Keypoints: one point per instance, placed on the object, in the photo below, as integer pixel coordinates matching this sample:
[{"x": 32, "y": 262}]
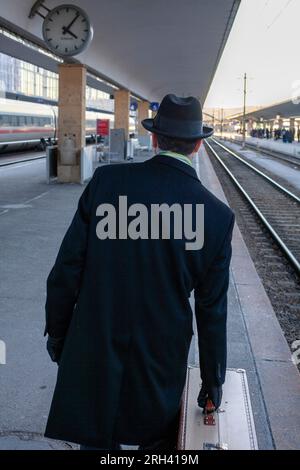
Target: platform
[
  {"x": 279, "y": 168},
  {"x": 257, "y": 344},
  {"x": 34, "y": 217},
  {"x": 292, "y": 149}
]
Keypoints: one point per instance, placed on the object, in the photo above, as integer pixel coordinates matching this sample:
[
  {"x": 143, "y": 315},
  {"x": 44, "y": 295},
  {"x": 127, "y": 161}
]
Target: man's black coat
[{"x": 123, "y": 308}]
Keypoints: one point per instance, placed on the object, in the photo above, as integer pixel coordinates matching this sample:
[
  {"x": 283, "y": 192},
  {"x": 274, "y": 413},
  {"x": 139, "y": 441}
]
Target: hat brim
[{"x": 148, "y": 124}]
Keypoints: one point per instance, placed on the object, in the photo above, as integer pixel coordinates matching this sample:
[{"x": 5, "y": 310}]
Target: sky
[{"x": 265, "y": 44}]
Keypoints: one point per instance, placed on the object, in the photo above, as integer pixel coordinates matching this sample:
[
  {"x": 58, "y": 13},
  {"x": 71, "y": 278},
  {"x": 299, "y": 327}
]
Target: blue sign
[
  {"x": 133, "y": 106},
  {"x": 154, "y": 106}
]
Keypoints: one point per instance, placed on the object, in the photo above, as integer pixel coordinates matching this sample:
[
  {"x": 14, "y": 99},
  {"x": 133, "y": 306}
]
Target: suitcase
[{"x": 230, "y": 428}]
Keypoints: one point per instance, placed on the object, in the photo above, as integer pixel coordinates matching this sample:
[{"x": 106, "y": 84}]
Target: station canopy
[
  {"x": 148, "y": 47},
  {"x": 286, "y": 109}
]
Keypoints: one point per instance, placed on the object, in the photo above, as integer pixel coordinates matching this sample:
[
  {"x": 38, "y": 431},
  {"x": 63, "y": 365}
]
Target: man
[{"x": 118, "y": 314}]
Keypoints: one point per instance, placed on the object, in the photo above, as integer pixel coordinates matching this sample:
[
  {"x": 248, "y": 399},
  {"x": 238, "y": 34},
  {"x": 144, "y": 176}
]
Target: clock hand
[
  {"x": 70, "y": 32},
  {"x": 67, "y": 28}
]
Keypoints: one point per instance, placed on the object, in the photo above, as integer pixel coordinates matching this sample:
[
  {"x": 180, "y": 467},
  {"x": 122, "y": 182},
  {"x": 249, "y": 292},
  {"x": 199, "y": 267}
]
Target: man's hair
[{"x": 185, "y": 147}]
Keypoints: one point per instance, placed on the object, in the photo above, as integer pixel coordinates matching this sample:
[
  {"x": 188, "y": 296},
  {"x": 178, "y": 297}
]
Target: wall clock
[{"x": 67, "y": 30}]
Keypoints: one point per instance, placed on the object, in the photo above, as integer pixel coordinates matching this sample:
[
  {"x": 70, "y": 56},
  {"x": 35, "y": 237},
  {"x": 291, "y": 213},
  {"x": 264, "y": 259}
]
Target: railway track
[
  {"x": 268, "y": 216},
  {"x": 277, "y": 207}
]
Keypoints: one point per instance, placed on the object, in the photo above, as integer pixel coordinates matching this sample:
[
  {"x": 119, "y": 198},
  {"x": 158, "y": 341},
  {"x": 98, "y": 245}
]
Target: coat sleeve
[
  {"x": 64, "y": 280},
  {"x": 211, "y": 315}
]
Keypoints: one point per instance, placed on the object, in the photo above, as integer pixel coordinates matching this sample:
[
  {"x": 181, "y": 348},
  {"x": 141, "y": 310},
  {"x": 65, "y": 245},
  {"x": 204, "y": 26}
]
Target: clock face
[{"x": 67, "y": 30}]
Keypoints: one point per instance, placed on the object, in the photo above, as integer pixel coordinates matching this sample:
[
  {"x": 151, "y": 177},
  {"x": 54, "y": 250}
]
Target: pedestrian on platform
[
  {"x": 285, "y": 137},
  {"x": 118, "y": 313}
]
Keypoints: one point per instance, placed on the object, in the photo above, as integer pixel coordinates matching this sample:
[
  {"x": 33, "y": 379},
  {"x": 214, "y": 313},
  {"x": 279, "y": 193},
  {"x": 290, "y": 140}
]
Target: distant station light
[
  {"x": 154, "y": 106},
  {"x": 133, "y": 106}
]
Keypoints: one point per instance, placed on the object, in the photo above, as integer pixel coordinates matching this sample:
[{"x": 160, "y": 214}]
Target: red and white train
[{"x": 25, "y": 125}]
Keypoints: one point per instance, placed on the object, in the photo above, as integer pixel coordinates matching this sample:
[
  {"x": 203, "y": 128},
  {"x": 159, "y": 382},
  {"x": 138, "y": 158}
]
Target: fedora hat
[{"x": 180, "y": 118}]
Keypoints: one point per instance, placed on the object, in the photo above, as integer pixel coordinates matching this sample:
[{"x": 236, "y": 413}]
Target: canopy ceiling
[{"x": 149, "y": 47}]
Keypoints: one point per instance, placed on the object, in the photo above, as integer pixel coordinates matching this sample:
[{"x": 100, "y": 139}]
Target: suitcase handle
[{"x": 209, "y": 418}]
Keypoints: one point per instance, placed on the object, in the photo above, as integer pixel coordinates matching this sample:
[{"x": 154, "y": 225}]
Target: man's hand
[
  {"x": 55, "y": 347},
  {"x": 210, "y": 393}
]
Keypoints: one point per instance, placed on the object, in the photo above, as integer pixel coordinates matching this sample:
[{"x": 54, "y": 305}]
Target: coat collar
[{"x": 174, "y": 163}]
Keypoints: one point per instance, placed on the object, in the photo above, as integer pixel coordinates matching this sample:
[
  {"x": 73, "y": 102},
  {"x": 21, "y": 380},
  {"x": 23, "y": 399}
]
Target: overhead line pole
[
  {"x": 222, "y": 121},
  {"x": 244, "y": 111}
]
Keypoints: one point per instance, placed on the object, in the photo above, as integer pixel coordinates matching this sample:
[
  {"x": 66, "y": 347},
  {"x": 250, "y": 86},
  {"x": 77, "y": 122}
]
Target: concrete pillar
[
  {"x": 292, "y": 127},
  {"x": 122, "y": 105},
  {"x": 143, "y": 113},
  {"x": 292, "y": 124},
  {"x": 249, "y": 126},
  {"x": 71, "y": 121}
]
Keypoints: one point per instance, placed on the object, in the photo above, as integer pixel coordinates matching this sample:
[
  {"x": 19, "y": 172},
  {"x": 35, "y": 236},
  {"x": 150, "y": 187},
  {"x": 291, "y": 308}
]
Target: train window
[
  {"x": 14, "y": 121},
  {"x": 36, "y": 121},
  {"x": 21, "y": 120},
  {"x": 4, "y": 120},
  {"x": 28, "y": 120}
]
